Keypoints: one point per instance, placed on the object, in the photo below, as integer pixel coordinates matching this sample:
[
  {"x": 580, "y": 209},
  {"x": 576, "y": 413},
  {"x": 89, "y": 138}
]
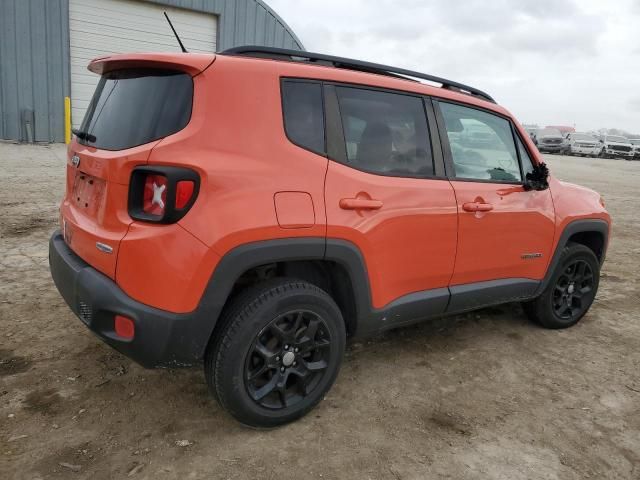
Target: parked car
[
  {"x": 253, "y": 209},
  {"x": 636, "y": 147},
  {"x": 550, "y": 140},
  {"x": 616, "y": 146},
  {"x": 584, "y": 144}
]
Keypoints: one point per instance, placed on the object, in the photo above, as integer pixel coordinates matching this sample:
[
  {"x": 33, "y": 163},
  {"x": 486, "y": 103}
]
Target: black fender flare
[
  {"x": 577, "y": 226},
  {"x": 250, "y": 255}
]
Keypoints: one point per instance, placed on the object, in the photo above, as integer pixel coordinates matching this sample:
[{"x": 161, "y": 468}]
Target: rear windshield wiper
[{"x": 84, "y": 135}]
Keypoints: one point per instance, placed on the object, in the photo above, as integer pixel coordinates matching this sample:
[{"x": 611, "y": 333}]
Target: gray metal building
[{"x": 45, "y": 46}]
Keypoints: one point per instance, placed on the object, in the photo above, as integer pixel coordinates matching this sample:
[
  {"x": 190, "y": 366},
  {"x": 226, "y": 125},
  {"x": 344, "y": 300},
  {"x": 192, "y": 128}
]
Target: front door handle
[
  {"x": 477, "y": 207},
  {"x": 360, "y": 204}
]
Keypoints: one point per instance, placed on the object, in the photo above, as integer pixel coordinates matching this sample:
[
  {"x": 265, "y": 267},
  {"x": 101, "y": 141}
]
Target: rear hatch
[{"x": 139, "y": 100}]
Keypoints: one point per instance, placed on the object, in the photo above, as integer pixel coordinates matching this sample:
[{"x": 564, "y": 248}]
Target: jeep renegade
[{"x": 253, "y": 209}]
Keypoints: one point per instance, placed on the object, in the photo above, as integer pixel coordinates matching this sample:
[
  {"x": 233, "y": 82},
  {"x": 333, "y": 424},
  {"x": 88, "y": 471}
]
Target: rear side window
[
  {"x": 136, "y": 106},
  {"x": 303, "y": 114},
  {"x": 482, "y": 144},
  {"x": 385, "y": 133}
]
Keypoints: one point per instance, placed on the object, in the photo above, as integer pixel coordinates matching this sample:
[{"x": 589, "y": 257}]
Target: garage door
[{"x": 103, "y": 27}]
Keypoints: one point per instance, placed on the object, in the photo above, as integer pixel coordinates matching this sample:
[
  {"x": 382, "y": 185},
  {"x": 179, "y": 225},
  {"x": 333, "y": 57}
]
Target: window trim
[
  {"x": 336, "y": 143},
  {"x": 333, "y": 109},
  {"x": 446, "y": 147},
  {"x": 284, "y": 80}
]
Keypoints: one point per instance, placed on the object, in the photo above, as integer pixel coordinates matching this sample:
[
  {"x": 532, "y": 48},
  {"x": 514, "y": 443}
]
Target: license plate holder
[{"x": 87, "y": 192}]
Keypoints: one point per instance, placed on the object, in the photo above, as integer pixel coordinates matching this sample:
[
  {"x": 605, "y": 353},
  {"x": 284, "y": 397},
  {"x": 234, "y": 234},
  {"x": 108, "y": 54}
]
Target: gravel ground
[{"x": 482, "y": 395}]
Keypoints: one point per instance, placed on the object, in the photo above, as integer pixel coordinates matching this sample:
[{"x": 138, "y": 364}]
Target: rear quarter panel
[{"x": 238, "y": 146}]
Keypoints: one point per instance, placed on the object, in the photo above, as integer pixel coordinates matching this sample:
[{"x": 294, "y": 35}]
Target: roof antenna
[{"x": 184, "y": 50}]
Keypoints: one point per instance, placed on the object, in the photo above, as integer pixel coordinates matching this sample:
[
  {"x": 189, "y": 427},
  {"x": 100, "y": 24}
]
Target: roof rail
[{"x": 347, "y": 63}]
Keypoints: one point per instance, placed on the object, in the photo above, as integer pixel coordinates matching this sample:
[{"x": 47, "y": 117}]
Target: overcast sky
[{"x": 551, "y": 62}]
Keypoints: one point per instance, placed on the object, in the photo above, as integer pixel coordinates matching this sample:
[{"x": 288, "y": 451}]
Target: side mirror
[{"x": 538, "y": 178}]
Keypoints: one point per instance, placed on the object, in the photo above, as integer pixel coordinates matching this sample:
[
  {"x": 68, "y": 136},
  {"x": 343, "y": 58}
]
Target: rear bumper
[{"x": 162, "y": 339}]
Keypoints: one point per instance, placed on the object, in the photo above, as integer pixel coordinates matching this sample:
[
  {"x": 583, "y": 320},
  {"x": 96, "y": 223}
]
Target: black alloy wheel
[
  {"x": 571, "y": 289},
  {"x": 573, "y": 292},
  {"x": 288, "y": 359},
  {"x": 276, "y": 352}
]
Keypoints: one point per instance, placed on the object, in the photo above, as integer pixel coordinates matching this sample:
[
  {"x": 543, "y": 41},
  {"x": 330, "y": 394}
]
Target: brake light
[
  {"x": 155, "y": 194},
  {"x": 162, "y": 194},
  {"x": 184, "y": 192}
]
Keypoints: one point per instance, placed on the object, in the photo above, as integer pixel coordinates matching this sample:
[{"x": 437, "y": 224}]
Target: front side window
[
  {"x": 385, "y": 133},
  {"x": 482, "y": 144},
  {"x": 303, "y": 114},
  {"x": 527, "y": 164}
]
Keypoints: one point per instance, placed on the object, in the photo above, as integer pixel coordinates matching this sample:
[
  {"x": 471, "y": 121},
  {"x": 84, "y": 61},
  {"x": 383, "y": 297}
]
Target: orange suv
[{"x": 253, "y": 209}]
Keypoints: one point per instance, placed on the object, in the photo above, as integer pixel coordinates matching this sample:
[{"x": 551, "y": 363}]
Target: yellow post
[{"x": 67, "y": 120}]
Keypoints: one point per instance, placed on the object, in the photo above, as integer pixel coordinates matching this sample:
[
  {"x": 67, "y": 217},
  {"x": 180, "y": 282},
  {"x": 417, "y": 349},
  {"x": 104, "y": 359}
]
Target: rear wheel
[
  {"x": 277, "y": 352},
  {"x": 570, "y": 292}
]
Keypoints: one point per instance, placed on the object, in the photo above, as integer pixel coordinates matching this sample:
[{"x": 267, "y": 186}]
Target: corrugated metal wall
[
  {"x": 34, "y": 67},
  {"x": 243, "y": 22},
  {"x": 34, "y": 55}
]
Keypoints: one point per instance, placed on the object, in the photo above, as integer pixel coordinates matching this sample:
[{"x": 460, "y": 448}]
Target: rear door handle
[
  {"x": 477, "y": 207},
  {"x": 360, "y": 204}
]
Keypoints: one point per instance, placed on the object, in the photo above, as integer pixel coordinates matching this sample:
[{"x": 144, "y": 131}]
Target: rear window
[{"x": 136, "y": 106}]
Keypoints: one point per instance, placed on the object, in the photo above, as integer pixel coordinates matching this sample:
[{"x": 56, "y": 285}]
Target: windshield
[
  {"x": 549, "y": 132},
  {"x": 582, "y": 136},
  {"x": 635, "y": 141},
  {"x": 616, "y": 138},
  {"x": 136, "y": 106}
]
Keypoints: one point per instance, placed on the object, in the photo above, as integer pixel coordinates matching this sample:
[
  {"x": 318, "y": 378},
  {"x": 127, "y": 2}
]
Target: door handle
[
  {"x": 477, "y": 207},
  {"x": 360, "y": 204}
]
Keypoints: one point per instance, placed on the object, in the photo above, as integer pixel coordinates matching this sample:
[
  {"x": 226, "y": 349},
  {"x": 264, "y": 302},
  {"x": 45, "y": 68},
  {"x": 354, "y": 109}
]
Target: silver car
[
  {"x": 584, "y": 144},
  {"x": 616, "y": 146},
  {"x": 550, "y": 140}
]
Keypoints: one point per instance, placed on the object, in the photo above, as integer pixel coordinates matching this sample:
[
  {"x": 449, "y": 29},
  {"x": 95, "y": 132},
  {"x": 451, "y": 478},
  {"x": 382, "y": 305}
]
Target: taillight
[
  {"x": 162, "y": 194},
  {"x": 184, "y": 192},
  {"x": 155, "y": 194}
]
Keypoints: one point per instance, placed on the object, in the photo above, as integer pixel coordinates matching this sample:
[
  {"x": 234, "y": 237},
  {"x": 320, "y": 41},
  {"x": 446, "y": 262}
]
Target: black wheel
[
  {"x": 276, "y": 352},
  {"x": 570, "y": 292}
]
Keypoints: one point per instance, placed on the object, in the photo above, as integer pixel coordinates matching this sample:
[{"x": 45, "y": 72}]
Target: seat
[{"x": 375, "y": 146}]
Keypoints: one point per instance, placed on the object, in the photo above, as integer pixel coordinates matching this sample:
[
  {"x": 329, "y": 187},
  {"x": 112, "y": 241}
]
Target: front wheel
[
  {"x": 277, "y": 352},
  {"x": 570, "y": 292}
]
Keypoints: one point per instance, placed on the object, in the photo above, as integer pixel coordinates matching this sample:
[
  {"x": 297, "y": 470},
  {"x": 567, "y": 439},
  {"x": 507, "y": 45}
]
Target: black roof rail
[{"x": 347, "y": 63}]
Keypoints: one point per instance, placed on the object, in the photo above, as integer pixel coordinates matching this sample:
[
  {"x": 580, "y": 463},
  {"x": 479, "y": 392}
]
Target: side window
[
  {"x": 527, "y": 164},
  {"x": 482, "y": 144},
  {"x": 303, "y": 114},
  {"x": 385, "y": 132}
]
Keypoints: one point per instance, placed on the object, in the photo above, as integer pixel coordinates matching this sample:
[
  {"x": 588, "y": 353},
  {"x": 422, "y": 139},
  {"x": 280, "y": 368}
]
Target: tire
[
  {"x": 276, "y": 352},
  {"x": 559, "y": 306}
]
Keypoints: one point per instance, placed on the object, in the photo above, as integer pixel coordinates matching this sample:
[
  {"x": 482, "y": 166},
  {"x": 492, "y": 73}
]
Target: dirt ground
[{"x": 482, "y": 395}]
